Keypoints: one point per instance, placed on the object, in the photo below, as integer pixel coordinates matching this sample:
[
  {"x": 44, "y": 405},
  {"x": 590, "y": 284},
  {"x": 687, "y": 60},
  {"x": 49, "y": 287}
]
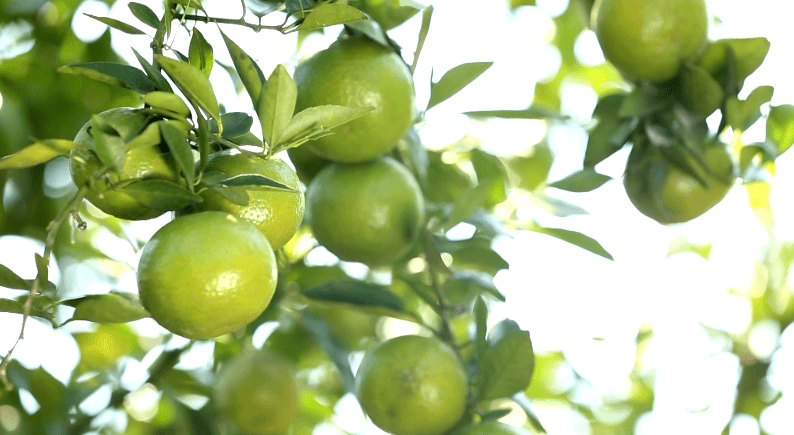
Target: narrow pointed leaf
[
  {"x": 161, "y": 194},
  {"x": 320, "y": 117},
  {"x": 532, "y": 112},
  {"x": 581, "y": 181},
  {"x": 578, "y": 239},
  {"x": 200, "y": 53},
  {"x": 427, "y": 16},
  {"x": 194, "y": 84},
  {"x": 118, "y": 25},
  {"x": 329, "y": 14},
  {"x": 254, "y": 180},
  {"x": 481, "y": 322},
  {"x": 146, "y": 15},
  {"x": 356, "y": 293},
  {"x": 276, "y": 104},
  {"x": 180, "y": 148},
  {"x": 454, "y": 80},
  {"x": 116, "y": 74},
  {"x": 154, "y": 74},
  {"x": 9, "y": 279},
  {"x": 39, "y": 152},
  {"x": 333, "y": 346},
  {"x": 249, "y": 72}
]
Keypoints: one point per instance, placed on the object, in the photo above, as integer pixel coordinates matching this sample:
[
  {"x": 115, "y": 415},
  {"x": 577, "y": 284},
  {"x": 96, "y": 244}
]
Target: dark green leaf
[
  {"x": 194, "y": 84},
  {"x": 118, "y": 25},
  {"x": 427, "y": 16},
  {"x": 643, "y": 101},
  {"x": 237, "y": 195},
  {"x": 610, "y": 133},
  {"x": 116, "y": 74},
  {"x": 261, "y": 8},
  {"x": 454, "y": 80},
  {"x": 203, "y": 141},
  {"x": 507, "y": 366},
  {"x": 700, "y": 92},
  {"x": 464, "y": 285},
  {"x": 585, "y": 180},
  {"x": 371, "y": 29},
  {"x": 108, "y": 308},
  {"x": 532, "y": 112},
  {"x": 356, "y": 293},
  {"x": 42, "y": 268},
  {"x": 11, "y": 306},
  {"x": 293, "y": 6},
  {"x": 578, "y": 239},
  {"x": 780, "y": 127},
  {"x": 748, "y": 55},
  {"x": 249, "y": 72},
  {"x": 332, "y": 346},
  {"x": 481, "y": 323},
  {"x": 110, "y": 148},
  {"x": 276, "y": 105},
  {"x": 48, "y": 391},
  {"x": 200, "y": 53},
  {"x": 741, "y": 114},
  {"x": 254, "y": 180},
  {"x": 39, "y": 152},
  {"x": 161, "y": 194},
  {"x": 146, "y": 15},
  {"x": 496, "y": 414},
  {"x": 328, "y": 14},
  {"x": 9, "y": 279},
  {"x": 180, "y": 148},
  {"x": 154, "y": 74},
  {"x": 235, "y": 124}
]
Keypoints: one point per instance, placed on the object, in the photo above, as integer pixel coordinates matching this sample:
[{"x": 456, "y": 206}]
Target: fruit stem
[{"x": 53, "y": 229}]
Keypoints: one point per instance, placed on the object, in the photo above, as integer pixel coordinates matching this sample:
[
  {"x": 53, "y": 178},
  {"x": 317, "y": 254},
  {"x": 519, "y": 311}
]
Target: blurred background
[{"x": 687, "y": 331}]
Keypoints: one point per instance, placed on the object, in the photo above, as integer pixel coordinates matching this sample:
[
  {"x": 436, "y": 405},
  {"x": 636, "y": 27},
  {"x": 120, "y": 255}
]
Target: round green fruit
[{"x": 491, "y": 428}]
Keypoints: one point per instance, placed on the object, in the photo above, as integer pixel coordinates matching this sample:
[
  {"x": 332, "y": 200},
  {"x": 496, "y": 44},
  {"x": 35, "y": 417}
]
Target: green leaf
[
  {"x": 318, "y": 118},
  {"x": 235, "y": 124},
  {"x": 110, "y": 148},
  {"x": 11, "y": 306},
  {"x": 146, "y": 15},
  {"x": 200, "y": 53},
  {"x": 180, "y": 148},
  {"x": 481, "y": 323},
  {"x": 741, "y": 114},
  {"x": 333, "y": 346},
  {"x": 356, "y": 293},
  {"x": 293, "y": 6},
  {"x": 168, "y": 101},
  {"x": 488, "y": 167},
  {"x": 465, "y": 285},
  {"x": 9, "y": 279},
  {"x": 118, "y": 25},
  {"x": 115, "y": 74},
  {"x": 454, "y": 80},
  {"x": 525, "y": 403},
  {"x": 249, "y": 72},
  {"x": 427, "y": 16},
  {"x": 276, "y": 104},
  {"x": 501, "y": 329},
  {"x": 260, "y": 8},
  {"x": 681, "y": 245},
  {"x": 507, "y": 367},
  {"x": 254, "y": 180},
  {"x": 108, "y": 308},
  {"x": 39, "y": 152},
  {"x": 237, "y": 195},
  {"x": 466, "y": 204},
  {"x": 748, "y": 55},
  {"x": 643, "y": 101},
  {"x": 532, "y": 170},
  {"x": 42, "y": 268},
  {"x": 153, "y": 73},
  {"x": 161, "y": 194},
  {"x": 194, "y": 84},
  {"x": 532, "y": 112},
  {"x": 328, "y": 14},
  {"x": 577, "y": 239},
  {"x": 585, "y": 180},
  {"x": 611, "y": 132},
  {"x": 780, "y": 127},
  {"x": 700, "y": 92}
]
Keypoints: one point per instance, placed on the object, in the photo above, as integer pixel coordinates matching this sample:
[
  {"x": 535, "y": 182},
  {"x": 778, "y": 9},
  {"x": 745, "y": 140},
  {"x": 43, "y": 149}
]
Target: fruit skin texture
[
  {"x": 650, "y": 39},
  {"x": 367, "y": 212},
  {"x": 206, "y": 274},
  {"x": 145, "y": 162},
  {"x": 358, "y": 72},
  {"x": 682, "y": 197},
  {"x": 256, "y": 391},
  {"x": 412, "y": 385},
  {"x": 491, "y": 428},
  {"x": 277, "y": 213}
]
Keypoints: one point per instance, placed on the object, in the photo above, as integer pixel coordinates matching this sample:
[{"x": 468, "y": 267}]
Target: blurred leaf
[
  {"x": 748, "y": 55},
  {"x": 467, "y": 204},
  {"x": 490, "y": 167},
  {"x": 481, "y": 325},
  {"x": 107, "y": 308},
  {"x": 681, "y": 245},
  {"x": 473, "y": 256},
  {"x": 153, "y": 73},
  {"x": 333, "y": 346},
  {"x": 525, "y": 403},
  {"x": 320, "y": 118},
  {"x": 501, "y": 329},
  {"x": 200, "y": 53},
  {"x": 486, "y": 223},
  {"x": 578, "y": 239},
  {"x": 356, "y": 293},
  {"x": 118, "y": 25},
  {"x": 700, "y": 92},
  {"x": 532, "y": 112},
  {"x": 161, "y": 194},
  {"x": 741, "y": 114},
  {"x": 193, "y": 83},
  {"x": 610, "y": 133},
  {"x": 146, "y": 15},
  {"x": 48, "y": 391},
  {"x": 496, "y": 414},
  {"x": 111, "y": 149},
  {"x": 463, "y": 286},
  {"x": 752, "y": 159},
  {"x": 39, "y": 152},
  {"x": 427, "y": 16},
  {"x": 643, "y": 101},
  {"x": 11, "y": 280},
  {"x": 249, "y": 72},
  {"x": 507, "y": 366},
  {"x": 117, "y": 74},
  {"x": 532, "y": 170},
  {"x": 276, "y": 105},
  {"x": 454, "y": 80},
  {"x": 418, "y": 156},
  {"x": 780, "y": 127},
  {"x": 585, "y": 180},
  {"x": 558, "y": 207},
  {"x": 180, "y": 149},
  {"x": 328, "y": 14},
  {"x": 261, "y": 8}
]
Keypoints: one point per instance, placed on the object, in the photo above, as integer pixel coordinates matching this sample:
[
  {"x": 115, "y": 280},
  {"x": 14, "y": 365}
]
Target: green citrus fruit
[
  {"x": 102, "y": 348},
  {"x": 667, "y": 194},
  {"x": 491, "y": 428},
  {"x": 257, "y": 393},
  {"x": 388, "y": 13},
  {"x": 412, "y": 385},
  {"x": 149, "y": 161},
  {"x": 276, "y": 212},
  {"x": 358, "y": 72},
  {"x": 366, "y": 212},
  {"x": 206, "y": 274},
  {"x": 650, "y": 40}
]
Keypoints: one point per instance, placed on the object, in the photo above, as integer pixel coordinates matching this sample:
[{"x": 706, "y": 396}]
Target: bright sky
[{"x": 562, "y": 294}]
